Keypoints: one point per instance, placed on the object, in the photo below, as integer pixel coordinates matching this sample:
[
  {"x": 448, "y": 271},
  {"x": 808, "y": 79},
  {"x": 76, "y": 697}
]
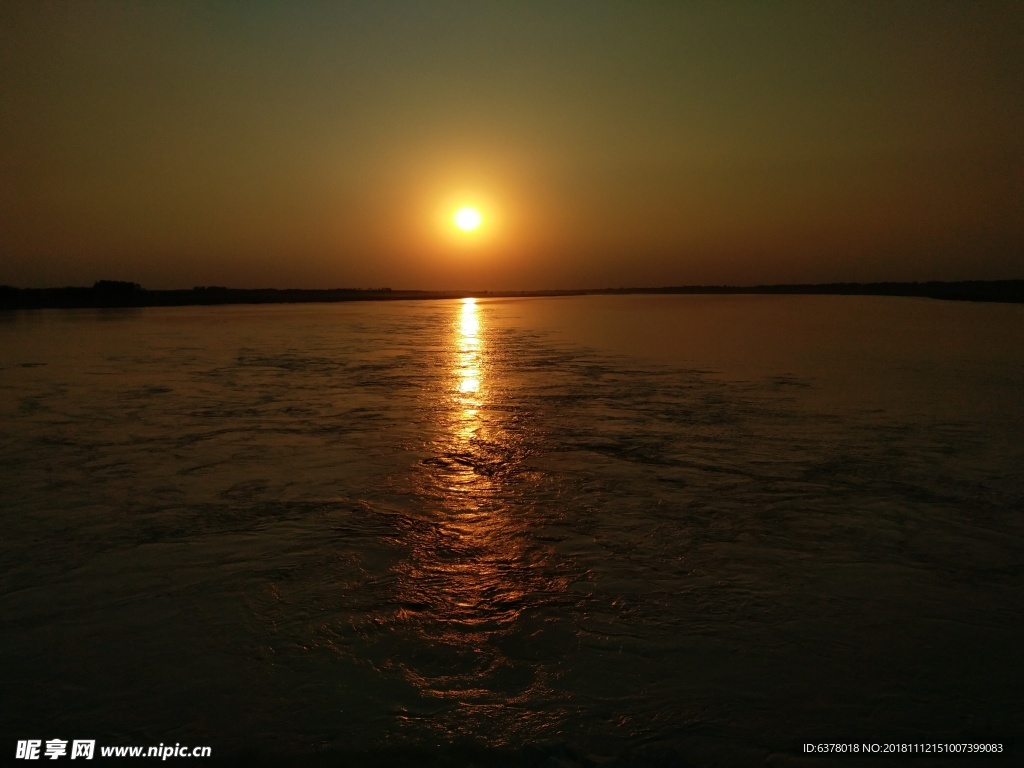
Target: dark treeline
[
  {"x": 962, "y": 290},
  {"x": 116, "y": 293}
]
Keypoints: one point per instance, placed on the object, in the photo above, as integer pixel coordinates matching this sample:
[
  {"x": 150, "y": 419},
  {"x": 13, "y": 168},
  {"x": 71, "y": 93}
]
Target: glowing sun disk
[{"x": 467, "y": 218}]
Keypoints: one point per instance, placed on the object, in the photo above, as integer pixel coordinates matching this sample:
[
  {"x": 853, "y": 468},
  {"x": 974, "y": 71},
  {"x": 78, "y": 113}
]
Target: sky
[{"x": 605, "y": 144}]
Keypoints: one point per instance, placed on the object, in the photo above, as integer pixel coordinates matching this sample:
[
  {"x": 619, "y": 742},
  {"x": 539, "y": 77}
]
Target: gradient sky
[{"x": 324, "y": 145}]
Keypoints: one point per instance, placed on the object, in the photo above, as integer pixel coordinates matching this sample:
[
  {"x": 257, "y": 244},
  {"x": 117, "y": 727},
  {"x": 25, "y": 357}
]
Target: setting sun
[{"x": 467, "y": 219}]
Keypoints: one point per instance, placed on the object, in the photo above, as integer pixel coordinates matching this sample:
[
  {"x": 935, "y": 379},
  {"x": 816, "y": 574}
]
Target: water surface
[{"x": 726, "y": 525}]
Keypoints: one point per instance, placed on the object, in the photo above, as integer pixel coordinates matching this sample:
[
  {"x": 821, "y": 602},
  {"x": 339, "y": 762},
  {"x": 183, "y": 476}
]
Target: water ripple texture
[{"x": 423, "y": 524}]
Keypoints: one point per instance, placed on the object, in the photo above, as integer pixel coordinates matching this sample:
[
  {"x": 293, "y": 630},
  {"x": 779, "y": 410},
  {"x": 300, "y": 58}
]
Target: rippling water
[{"x": 723, "y": 525}]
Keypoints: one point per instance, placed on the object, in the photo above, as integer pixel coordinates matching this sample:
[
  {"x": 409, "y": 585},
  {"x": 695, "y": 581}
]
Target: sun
[{"x": 467, "y": 218}]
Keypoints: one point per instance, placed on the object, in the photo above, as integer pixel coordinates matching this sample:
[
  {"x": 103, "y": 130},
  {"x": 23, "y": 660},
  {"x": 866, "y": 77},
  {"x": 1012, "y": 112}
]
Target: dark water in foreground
[{"x": 721, "y": 526}]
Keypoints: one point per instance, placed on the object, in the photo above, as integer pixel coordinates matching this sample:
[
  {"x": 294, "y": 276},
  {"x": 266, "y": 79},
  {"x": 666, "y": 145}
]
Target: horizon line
[
  {"x": 125, "y": 294},
  {"x": 131, "y": 285}
]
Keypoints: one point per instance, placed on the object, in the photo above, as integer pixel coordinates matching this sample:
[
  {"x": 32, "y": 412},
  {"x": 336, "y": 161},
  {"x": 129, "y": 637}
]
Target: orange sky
[{"x": 608, "y": 144}]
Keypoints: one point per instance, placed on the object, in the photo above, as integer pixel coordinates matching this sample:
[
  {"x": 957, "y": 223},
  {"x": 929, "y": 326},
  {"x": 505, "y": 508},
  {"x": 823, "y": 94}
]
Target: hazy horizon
[
  {"x": 322, "y": 145},
  {"x": 480, "y": 290}
]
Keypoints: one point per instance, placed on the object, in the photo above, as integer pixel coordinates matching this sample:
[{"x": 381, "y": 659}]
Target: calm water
[{"x": 721, "y": 525}]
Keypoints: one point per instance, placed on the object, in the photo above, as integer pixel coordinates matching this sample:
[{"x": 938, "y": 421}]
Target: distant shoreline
[{"x": 113, "y": 294}]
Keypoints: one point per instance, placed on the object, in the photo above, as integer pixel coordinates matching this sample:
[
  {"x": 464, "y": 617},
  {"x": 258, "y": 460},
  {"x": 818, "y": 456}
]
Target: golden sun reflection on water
[
  {"x": 469, "y": 363},
  {"x": 471, "y": 574}
]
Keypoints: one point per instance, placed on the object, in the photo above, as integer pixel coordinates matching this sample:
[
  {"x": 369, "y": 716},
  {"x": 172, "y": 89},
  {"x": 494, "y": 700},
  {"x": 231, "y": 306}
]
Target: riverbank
[{"x": 108, "y": 293}]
